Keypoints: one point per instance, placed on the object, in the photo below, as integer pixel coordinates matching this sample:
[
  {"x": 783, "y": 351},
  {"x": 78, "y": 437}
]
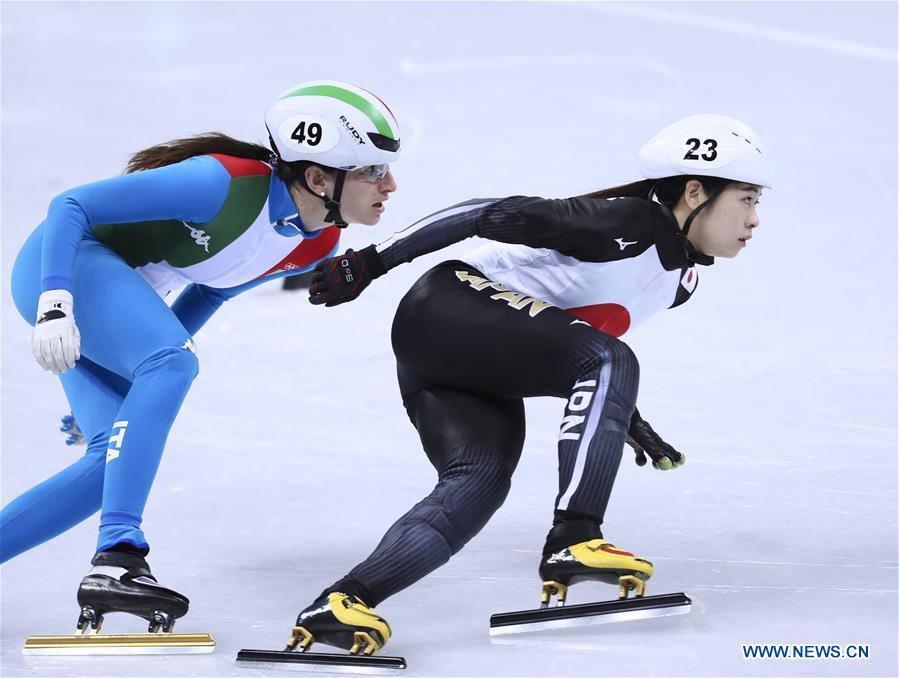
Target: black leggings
[{"x": 468, "y": 350}]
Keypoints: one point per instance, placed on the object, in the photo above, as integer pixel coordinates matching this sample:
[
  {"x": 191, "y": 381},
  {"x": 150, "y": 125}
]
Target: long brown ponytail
[
  {"x": 668, "y": 190},
  {"x": 170, "y": 152},
  {"x": 636, "y": 189}
]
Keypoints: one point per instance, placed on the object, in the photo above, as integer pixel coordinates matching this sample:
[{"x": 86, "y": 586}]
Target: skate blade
[
  {"x": 325, "y": 662},
  {"x": 589, "y": 613},
  {"x": 111, "y": 644}
]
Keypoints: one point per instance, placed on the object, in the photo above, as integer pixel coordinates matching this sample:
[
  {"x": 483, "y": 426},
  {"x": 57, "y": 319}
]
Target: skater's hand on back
[
  {"x": 645, "y": 441},
  {"x": 342, "y": 278},
  {"x": 56, "y": 342}
]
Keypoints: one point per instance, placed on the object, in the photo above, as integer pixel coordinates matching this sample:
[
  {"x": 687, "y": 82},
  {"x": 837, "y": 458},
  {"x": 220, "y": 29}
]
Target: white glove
[{"x": 56, "y": 342}]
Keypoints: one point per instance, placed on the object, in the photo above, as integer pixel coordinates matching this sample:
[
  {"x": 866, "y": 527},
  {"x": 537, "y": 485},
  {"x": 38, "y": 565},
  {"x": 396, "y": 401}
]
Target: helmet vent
[
  {"x": 384, "y": 143},
  {"x": 748, "y": 141}
]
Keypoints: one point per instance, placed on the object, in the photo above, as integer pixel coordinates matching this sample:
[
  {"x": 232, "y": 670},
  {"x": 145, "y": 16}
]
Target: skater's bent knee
[
  {"x": 96, "y": 448},
  {"x": 607, "y": 350},
  {"x": 494, "y": 482},
  {"x": 477, "y": 491},
  {"x": 623, "y": 354},
  {"x": 488, "y": 480},
  {"x": 180, "y": 361}
]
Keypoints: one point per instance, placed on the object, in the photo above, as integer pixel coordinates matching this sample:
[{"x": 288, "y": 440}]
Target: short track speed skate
[
  {"x": 591, "y": 560},
  {"x": 333, "y": 619},
  {"x": 122, "y": 582}
]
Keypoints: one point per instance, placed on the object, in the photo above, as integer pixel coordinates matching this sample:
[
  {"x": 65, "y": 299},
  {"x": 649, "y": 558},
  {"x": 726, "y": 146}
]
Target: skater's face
[
  {"x": 723, "y": 228},
  {"x": 365, "y": 190},
  {"x": 365, "y": 194}
]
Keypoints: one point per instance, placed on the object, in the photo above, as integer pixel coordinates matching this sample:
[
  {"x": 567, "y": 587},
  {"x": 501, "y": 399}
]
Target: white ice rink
[{"x": 778, "y": 379}]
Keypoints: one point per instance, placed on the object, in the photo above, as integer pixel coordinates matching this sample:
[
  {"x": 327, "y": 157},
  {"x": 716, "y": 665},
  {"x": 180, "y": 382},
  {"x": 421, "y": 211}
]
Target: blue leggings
[{"x": 137, "y": 364}]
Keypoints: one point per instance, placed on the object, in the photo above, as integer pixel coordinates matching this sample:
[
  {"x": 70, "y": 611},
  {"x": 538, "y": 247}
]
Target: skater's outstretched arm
[
  {"x": 587, "y": 229},
  {"x": 583, "y": 228},
  {"x": 198, "y": 303}
]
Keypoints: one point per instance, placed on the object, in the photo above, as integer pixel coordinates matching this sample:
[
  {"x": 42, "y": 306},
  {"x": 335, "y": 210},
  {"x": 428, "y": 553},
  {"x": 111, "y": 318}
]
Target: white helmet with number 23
[{"x": 711, "y": 145}]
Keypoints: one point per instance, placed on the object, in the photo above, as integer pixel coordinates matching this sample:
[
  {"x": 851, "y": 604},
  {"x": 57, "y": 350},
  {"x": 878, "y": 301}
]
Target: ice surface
[{"x": 778, "y": 379}]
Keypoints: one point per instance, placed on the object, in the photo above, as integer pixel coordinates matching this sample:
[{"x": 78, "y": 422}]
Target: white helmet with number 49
[
  {"x": 711, "y": 145},
  {"x": 333, "y": 124}
]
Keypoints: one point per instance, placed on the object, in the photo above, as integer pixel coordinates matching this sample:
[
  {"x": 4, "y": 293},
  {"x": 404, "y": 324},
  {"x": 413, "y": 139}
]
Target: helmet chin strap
[
  {"x": 332, "y": 204},
  {"x": 693, "y": 254}
]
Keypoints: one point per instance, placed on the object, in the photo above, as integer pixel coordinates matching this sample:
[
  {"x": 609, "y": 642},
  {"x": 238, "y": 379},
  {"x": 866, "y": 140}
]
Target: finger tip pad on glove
[{"x": 666, "y": 464}]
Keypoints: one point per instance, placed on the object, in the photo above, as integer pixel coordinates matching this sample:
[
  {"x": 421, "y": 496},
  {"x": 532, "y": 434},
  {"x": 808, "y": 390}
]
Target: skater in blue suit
[{"x": 212, "y": 213}]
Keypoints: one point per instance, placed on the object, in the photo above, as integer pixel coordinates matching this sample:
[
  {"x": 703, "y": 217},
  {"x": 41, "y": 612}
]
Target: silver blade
[
  {"x": 600, "y": 612},
  {"x": 315, "y": 668},
  {"x": 321, "y": 662},
  {"x": 606, "y": 618}
]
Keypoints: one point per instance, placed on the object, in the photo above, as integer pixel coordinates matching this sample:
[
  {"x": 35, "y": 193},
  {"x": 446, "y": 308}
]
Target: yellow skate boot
[
  {"x": 341, "y": 621},
  {"x": 596, "y": 560}
]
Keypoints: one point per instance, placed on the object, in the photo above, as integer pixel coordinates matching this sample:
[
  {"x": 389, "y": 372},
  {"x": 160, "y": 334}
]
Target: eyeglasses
[{"x": 371, "y": 173}]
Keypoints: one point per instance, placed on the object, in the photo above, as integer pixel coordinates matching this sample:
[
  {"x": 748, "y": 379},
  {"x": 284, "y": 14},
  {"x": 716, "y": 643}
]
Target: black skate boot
[
  {"x": 342, "y": 621},
  {"x": 120, "y": 581}
]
